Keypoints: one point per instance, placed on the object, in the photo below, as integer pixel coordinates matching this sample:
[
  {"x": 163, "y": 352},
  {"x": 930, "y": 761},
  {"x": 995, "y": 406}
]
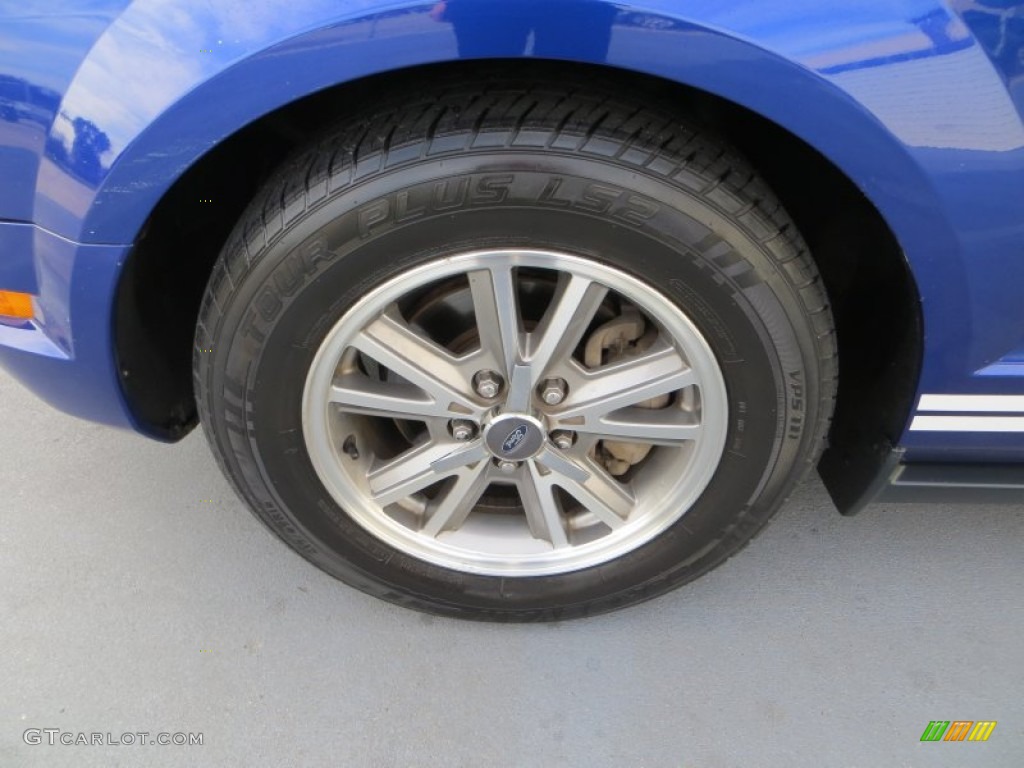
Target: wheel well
[{"x": 872, "y": 292}]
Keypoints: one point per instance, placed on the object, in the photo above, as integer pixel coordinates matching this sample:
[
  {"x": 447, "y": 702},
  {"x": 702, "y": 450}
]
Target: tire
[{"x": 553, "y": 185}]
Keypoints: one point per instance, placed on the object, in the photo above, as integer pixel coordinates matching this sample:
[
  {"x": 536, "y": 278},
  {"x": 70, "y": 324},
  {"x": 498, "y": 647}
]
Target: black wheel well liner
[{"x": 871, "y": 289}]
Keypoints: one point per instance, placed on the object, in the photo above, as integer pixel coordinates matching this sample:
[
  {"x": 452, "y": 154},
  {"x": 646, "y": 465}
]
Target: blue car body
[{"x": 105, "y": 104}]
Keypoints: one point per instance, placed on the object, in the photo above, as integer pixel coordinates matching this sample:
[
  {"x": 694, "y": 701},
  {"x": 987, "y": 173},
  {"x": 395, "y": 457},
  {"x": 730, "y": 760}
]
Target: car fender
[{"x": 901, "y": 98}]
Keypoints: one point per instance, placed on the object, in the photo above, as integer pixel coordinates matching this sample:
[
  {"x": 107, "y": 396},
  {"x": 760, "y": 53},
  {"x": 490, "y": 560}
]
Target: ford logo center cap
[{"x": 515, "y": 437}]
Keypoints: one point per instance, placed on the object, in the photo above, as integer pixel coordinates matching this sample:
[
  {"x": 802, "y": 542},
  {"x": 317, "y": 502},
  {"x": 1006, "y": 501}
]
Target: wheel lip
[{"x": 631, "y": 536}]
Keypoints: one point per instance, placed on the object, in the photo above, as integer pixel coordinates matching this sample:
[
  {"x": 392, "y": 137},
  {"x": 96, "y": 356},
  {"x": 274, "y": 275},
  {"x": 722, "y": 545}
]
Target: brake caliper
[{"x": 621, "y": 338}]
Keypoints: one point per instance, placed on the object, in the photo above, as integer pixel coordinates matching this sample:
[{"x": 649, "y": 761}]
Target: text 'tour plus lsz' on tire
[{"x": 515, "y": 353}]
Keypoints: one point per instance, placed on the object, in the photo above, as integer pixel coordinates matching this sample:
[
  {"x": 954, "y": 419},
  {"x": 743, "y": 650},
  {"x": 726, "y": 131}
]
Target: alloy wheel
[{"x": 515, "y": 412}]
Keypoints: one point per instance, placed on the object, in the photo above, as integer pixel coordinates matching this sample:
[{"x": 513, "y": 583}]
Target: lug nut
[
  {"x": 563, "y": 439},
  {"x": 462, "y": 429},
  {"x": 553, "y": 391},
  {"x": 487, "y": 384},
  {"x": 507, "y": 467}
]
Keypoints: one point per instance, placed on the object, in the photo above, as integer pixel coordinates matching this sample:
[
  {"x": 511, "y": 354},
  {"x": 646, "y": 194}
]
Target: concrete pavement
[{"x": 138, "y": 594}]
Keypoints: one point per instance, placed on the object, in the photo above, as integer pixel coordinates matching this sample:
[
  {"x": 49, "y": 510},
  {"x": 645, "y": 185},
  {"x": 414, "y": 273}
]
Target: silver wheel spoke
[
  {"x": 545, "y": 519},
  {"x": 497, "y": 313},
  {"x": 354, "y": 393},
  {"x": 453, "y": 507},
  {"x": 459, "y": 457},
  {"x": 624, "y": 384},
  {"x": 667, "y": 426},
  {"x": 520, "y": 388},
  {"x": 396, "y": 346},
  {"x": 574, "y": 305},
  {"x": 600, "y": 493},
  {"x": 557, "y": 462},
  {"x": 417, "y": 468}
]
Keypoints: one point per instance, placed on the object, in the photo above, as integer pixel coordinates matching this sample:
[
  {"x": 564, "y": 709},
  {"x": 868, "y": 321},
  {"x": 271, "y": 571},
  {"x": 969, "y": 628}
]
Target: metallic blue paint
[
  {"x": 105, "y": 103},
  {"x": 66, "y": 353}
]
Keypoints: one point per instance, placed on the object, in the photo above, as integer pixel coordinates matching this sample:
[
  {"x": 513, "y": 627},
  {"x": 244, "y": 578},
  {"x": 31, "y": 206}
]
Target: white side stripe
[
  {"x": 967, "y": 424},
  {"x": 972, "y": 403}
]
